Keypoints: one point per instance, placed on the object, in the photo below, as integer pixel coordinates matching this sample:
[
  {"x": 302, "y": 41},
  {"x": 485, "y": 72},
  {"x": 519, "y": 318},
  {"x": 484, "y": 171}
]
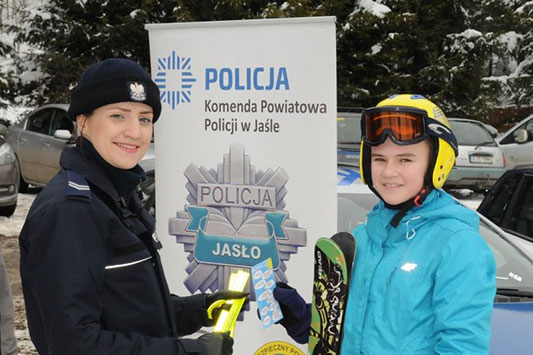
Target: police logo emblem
[
  {"x": 236, "y": 218},
  {"x": 137, "y": 91}
]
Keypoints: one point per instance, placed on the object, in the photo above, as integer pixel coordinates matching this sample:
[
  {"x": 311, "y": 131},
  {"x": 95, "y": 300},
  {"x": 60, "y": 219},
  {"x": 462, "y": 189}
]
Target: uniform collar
[
  {"x": 124, "y": 180},
  {"x": 72, "y": 159},
  {"x": 100, "y": 172}
]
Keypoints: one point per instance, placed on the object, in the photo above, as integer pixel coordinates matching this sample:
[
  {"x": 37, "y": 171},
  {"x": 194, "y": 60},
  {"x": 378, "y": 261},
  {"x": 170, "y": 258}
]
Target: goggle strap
[
  {"x": 417, "y": 201},
  {"x": 439, "y": 130}
]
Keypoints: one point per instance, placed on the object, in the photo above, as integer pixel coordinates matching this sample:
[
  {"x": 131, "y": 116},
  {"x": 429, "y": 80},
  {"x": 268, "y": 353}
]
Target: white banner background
[{"x": 304, "y": 147}]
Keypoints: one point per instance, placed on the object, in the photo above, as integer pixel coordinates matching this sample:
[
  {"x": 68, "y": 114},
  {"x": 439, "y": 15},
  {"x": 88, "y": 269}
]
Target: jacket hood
[{"x": 439, "y": 207}]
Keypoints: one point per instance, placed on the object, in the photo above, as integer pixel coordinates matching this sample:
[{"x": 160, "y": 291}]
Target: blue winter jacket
[{"x": 425, "y": 287}]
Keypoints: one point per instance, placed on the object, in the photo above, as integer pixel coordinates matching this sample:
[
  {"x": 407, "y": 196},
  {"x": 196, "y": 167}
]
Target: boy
[{"x": 424, "y": 280}]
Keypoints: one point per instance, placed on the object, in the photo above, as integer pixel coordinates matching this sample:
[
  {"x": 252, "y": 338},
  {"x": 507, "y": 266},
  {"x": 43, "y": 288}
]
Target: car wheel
[
  {"x": 23, "y": 185},
  {"x": 7, "y": 211}
]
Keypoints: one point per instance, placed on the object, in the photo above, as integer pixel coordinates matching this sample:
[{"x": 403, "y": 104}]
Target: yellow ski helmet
[{"x": 409, "y": 119}]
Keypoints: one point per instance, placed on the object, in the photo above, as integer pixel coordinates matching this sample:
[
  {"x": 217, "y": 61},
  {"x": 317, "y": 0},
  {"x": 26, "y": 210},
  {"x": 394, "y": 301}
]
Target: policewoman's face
[
  {"x": 120, "y": 132},
  {"x": 398, "y": 171}
]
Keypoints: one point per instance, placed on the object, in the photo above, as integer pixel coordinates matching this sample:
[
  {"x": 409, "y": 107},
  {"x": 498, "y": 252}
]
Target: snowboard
[{"x": 333, "y": 264}]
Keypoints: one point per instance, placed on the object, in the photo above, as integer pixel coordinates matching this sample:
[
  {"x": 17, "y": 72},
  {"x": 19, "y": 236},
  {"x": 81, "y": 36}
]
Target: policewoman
[
  {"x": 424, "y": 280},
  {"x": 91, "y": 274}
]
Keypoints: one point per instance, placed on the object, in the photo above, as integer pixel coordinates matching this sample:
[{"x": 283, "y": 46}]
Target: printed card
[{"x": 264, "y": 282}]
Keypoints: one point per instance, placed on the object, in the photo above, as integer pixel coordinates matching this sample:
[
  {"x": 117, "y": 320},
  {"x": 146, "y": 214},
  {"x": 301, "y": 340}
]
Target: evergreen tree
[
  {"x": 9, "y": 14},
  {"x": 4, "y": 84},
  {"x": 6, "y": 81},
  {"x": 71, "y": 34},
  {"x": 404, "y": 46},
  {"x": 467, "y": 56},
  {"x": 442, "y": 49},
  {"x": 514, "y": 59},
  {"x": 507, "y": 74}
]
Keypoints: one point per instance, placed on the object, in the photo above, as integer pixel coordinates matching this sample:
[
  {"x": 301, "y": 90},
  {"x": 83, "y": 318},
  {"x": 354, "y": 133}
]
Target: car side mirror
[
  {"x": 3, "y": 129},
  {"x": 62, "y": 134},
  {"x": 520, "y": 136}
]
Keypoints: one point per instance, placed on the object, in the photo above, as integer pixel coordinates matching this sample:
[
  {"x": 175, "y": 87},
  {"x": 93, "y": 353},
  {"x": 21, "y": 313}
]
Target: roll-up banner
[{"x": 245, "y": 157}]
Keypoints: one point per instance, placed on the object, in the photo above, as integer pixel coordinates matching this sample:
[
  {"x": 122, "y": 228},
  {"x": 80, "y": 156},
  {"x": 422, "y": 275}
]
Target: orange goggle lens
[{"x": 403, "y": 126}]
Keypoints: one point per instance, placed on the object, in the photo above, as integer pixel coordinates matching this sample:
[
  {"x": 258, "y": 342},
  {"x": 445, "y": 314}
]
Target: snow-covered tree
[
  {"x": 446, "y": 50},
  {"x": 512, "y": 62},
  {"x": 468, "y": 56}
]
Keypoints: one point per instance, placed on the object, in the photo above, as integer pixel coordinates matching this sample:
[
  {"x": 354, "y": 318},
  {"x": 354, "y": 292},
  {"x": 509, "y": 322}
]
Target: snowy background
[
  {"x": 41, "y": 55},
  {"x": 475, "y": 59}
]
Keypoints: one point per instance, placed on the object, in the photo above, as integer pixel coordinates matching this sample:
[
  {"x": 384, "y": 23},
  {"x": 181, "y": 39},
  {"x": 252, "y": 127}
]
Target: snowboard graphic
[{"x": 333, "y": 264}]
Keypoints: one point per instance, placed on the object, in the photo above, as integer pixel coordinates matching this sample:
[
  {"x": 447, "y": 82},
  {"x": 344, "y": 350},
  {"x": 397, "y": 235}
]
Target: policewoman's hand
[
  {"x": 217, "y": 300},
  {"x": 224, "y": 295},
  {"x": 217, "y": 344}
]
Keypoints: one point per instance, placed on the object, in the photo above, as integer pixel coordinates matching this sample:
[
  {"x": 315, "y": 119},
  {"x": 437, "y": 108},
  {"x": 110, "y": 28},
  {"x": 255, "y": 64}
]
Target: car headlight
[{"x": 7, "y": 156}]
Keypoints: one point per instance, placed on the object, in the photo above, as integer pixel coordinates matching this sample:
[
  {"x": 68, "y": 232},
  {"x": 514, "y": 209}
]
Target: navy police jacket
[{"x": 91, "y": 274}]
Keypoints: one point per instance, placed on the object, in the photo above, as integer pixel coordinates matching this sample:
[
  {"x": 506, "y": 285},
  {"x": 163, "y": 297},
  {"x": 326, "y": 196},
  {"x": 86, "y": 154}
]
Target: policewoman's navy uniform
[{"x": 91, "y": 273}]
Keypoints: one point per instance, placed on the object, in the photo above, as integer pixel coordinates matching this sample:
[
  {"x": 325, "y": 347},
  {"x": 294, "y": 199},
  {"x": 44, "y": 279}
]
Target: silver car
[
  {"x": 480, "y": 161},
  {"x": 517, "y": 144},
  {"x": 38, "y": 140},
  {"x": 9, "y": 178}
]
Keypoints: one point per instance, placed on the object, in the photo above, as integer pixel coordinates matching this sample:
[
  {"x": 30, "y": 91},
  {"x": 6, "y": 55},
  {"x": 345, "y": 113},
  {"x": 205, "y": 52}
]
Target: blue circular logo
[{"x": 174, "y": 79}]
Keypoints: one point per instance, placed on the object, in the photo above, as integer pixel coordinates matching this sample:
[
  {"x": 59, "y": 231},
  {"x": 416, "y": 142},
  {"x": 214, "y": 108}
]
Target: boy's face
[{"x": 398, "y": 170}]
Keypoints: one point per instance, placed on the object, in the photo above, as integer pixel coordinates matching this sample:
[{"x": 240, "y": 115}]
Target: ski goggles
[{"x": 402, "y": 124}]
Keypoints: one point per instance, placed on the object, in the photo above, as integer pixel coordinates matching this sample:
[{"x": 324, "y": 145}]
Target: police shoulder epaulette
[{"x": 77, "y": 186}]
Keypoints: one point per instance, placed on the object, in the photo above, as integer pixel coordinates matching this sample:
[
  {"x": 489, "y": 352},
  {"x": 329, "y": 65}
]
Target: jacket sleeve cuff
[
  {"x": 191, "y": 346},
  {"x": 299, "y": 330}
]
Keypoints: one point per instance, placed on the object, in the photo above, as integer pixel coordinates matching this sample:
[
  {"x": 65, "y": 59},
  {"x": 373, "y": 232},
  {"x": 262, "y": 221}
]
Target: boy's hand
[{"x": 296, "y": 312}]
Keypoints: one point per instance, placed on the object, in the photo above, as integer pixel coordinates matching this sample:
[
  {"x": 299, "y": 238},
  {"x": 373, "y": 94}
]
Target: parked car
[
  {"x": 9, "y": 178},
  {"x": 38, "y": 140},
  {"x": 480, "y": 161},
  {"x": 492, "y": 130},
  {"x": 348, "y": 136},
  {"x": 513, "y": 304},
  {"x": 40, "y": 137},
  {"x": 517, "y": 144},
  {"x": 509, "y": 203}
]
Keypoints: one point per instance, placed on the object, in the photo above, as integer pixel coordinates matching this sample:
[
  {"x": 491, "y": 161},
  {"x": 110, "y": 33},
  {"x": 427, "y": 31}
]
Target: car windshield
[
  {"x": 514, "y": 270},
  {"x": 348, "y": 128},
  {"x": 470, "y": 133}
]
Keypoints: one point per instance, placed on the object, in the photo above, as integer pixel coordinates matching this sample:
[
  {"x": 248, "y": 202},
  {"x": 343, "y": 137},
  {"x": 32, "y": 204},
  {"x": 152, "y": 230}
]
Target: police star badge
[{"x": 235, "y": 219}]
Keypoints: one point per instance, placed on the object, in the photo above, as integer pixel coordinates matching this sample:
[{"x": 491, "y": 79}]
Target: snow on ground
[{"x": 11, "y": 226}]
